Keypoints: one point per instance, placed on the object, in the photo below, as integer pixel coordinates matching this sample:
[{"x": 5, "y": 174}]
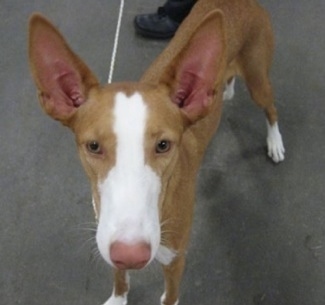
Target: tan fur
[{"x": 245, "y": 44}]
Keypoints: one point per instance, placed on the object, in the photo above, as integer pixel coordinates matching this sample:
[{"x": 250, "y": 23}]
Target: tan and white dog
[{"x": 142, "y": 143}]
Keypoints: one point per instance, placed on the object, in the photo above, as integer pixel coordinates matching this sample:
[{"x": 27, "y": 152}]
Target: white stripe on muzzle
[{"x": 130, "y": 193}]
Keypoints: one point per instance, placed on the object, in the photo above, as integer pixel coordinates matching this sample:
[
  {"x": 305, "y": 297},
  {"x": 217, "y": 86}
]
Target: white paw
[
  {"x": 162, "y": 299},
  {"x": 117, "y": 300},
  {"x": 229, "y": 91},
  {"x": 274, "y": 143}
]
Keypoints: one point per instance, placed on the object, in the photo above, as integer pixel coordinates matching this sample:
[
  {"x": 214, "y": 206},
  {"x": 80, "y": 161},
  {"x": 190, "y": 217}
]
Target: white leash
[{"x": 116, "y": 39}]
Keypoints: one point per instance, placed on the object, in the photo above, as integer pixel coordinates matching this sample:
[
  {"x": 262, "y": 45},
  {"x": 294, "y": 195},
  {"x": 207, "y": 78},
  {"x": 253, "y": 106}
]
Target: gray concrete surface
[{"x": 258, "y": 234}]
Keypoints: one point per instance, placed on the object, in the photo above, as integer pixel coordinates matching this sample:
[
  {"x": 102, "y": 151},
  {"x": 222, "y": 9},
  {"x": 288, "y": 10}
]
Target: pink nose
[{"x": 126, "y": 256}]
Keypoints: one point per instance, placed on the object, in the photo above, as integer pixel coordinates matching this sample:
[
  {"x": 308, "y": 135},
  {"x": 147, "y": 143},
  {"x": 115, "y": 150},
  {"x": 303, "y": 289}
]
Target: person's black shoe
[{"x": 157, "y": 25}]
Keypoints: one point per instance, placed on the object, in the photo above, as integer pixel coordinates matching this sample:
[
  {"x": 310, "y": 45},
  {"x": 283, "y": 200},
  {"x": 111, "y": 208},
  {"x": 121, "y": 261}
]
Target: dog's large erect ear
[
  {"x": 196, "y": 70},
  {"x": 62, "y": 79}
]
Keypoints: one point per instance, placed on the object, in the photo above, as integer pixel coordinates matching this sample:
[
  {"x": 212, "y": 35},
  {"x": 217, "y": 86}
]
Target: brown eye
[
  {"x": 94, "y": 147},
  {"x": 163, "y": 146}
]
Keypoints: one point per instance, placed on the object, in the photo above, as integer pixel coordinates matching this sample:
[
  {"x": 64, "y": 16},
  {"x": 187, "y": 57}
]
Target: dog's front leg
[
  {"x": 120, "y": 290},
  {"x": 173, "y": 274}
]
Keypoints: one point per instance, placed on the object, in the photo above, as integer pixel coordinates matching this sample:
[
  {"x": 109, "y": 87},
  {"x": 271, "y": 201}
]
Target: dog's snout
[{"x": 126, "y": 256}]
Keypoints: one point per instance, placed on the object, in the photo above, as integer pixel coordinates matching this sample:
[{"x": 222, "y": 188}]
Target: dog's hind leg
[
  {"x": 261, "y": 93},
  {"x": 255, "y": 61},
  {"x": 121, "y": 288}
]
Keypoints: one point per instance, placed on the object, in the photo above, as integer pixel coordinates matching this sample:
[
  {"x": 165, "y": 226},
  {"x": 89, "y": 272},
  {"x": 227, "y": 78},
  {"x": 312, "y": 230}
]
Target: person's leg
[
  {"x": 163, "y": 23},
  {"x": 178, "y": 9}
]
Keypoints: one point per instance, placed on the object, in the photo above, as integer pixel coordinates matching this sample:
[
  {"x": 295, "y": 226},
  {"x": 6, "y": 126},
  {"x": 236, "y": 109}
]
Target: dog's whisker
[
  {"x": 88, "y": 229},
  {"x": 89, "y": 241},
  {"x": 95, "y": 256}
]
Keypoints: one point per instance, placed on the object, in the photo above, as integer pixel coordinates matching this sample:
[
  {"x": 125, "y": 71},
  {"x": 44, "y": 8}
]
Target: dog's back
[
  {"x": 239, "y": 17},
  {"x": 244, "y": 26}
]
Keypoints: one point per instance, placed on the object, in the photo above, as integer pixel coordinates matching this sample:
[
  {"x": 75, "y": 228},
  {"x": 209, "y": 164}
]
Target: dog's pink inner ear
[
  {"x": 61, "y": 89},
  {"x": 61, "y": 77},
  {"x": 198, "y": 69},
  {"x": 194, "y": 93}
]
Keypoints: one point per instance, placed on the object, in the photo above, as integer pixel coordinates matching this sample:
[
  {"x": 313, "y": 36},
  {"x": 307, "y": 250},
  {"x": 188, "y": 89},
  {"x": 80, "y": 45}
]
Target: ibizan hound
[{"x": 141, "y": 143}]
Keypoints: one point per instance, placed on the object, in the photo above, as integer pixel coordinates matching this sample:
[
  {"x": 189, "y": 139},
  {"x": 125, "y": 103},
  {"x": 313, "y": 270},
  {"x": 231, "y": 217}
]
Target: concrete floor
[{"x": 258, "y": 235}]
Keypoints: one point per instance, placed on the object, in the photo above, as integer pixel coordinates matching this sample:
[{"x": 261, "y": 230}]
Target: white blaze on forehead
[
  {"x": 129, "y": 126},
  {"x": 130, "y": 193}
]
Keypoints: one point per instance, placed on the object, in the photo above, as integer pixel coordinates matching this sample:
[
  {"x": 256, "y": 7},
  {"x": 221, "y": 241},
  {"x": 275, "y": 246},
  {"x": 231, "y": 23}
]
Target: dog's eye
[
  {"x": 94, "y": 147},
  {"x": 163, "y": 146}
]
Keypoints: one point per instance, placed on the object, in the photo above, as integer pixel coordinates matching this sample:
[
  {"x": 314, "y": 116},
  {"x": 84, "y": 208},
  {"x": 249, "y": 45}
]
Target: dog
[{"x": 142, "y": 143}]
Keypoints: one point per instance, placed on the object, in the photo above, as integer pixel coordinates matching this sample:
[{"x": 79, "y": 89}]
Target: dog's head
[{"x": 129, "y": 135}]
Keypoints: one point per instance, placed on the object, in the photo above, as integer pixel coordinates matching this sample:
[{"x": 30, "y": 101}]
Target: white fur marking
[
  {"x": 165, "y": 255},
  {"x": 130, "y": 192},
  {"x": 162, "y": 299},
  {"x": 274, "y": 142},
  {"x": 229, "y": 90},
  {"x": 117, "y": 300}
]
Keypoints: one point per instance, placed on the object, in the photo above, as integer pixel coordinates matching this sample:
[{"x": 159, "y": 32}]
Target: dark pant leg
[{"x": 178, "y": 9}]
